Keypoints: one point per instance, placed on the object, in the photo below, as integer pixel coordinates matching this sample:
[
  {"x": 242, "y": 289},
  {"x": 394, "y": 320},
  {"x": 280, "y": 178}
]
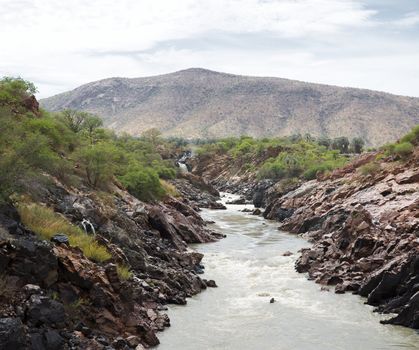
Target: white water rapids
[{"x": 249, "y": 269}]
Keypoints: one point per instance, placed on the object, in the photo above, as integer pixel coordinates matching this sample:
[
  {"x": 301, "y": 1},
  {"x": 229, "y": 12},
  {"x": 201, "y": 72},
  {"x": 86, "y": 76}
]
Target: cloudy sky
[{"x": 60, "y": 45}]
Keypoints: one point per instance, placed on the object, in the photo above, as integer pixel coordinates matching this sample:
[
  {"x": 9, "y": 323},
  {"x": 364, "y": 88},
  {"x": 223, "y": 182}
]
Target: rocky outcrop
[
  {"x": 199, "y": 192},
  {"x": 230, "y": 175},
  {"x": 364, "y": 230},
  {"x": 53, "y": 297}
]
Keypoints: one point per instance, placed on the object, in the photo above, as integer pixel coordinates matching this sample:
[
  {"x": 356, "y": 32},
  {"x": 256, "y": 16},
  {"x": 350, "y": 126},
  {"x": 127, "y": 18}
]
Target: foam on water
[{"x": 249, "y": 269}]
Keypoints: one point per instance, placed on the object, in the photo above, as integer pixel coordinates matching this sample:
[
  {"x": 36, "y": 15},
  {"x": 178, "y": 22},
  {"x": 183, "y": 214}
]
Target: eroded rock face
[
  {"x": 58, "y": 299},
  {"x": 364, "y": 231},
  {"x": 199, "y": 193}
]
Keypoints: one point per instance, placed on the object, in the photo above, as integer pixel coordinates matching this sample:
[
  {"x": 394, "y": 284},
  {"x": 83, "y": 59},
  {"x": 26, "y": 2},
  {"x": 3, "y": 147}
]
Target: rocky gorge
[
  {"x": 86, "y": 264},
  {"x": 365, "y": 231},
  {"x": 53, "y": 297},
  {"x": 363, "y": 227},
  {"x": 362, "y": 219}
]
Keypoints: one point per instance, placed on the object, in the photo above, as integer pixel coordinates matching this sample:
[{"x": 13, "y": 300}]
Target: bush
[
  {"x": 46, "y": 223},
  {"x": 169, "y": 189},
  {"x": 163, "y": 170},
  {"x": 403, "y": 149},
  {"x": 357, "y": 145},
  {"x": 14, "y": 91},
  {"x": 341, "y": 144},
  {"x": 142, "y": 182},
  {"x": 312, "y": 171},
  {"x": 370, "y": 168},
  {"x": 272, "y": 170},
  {"x": 412, "y": 136},
  {"x": 99, "y": 162}
]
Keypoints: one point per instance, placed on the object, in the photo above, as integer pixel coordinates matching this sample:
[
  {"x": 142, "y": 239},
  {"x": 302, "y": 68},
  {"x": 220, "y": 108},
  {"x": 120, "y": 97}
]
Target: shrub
[
  {"x": 357, "y": 145},
  {"x": 99, "y": 162},
  {"x": 163, "y": 170},
  {"x": 142, "y": 182},
  {"x": 341, "y": 144},
  {"x": 124, "y": 272},
  {"x": 369, "y": 168},
  {"x": 244, "y": 147},
  {"x": 403, "y": 149},
  {"x": 412, "y": 136},
  {"x": 312, "y": 171},
  {"x": 272, "y": 170},
  {"x": 14, "y": 91},
  {"x": 46, "y": 223},
  {"x": 169, "y": 189}
]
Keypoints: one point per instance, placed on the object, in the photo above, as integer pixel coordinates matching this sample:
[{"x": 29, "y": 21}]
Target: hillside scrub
[
  {"x": 404, "y": 147},
  {"x": 279, "y": 158},
  {"x": 73, "y": 145},
  {"x": 369, "y": 168}
]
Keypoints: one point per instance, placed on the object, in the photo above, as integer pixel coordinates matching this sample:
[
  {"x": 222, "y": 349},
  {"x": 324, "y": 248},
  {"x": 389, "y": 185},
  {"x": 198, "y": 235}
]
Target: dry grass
[
  {"x": 169, "y": 188},
  {"x": 369, "y": 168},
  {"x": 124, "y": 272},
  {"x": 46, "y": 223}
]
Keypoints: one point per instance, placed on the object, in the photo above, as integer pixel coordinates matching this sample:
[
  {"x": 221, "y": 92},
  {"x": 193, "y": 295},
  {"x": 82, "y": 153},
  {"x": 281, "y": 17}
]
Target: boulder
[
  {"x": 45, "y": 311},
  {"x": 282, "y": 213},
  {"x": 33, "y": 262},
  {"x": 53, "y": 340},
  {"x": 240, "y": 200},
  {"x": 210, "y": 283},
  {"x": 60, "y": 238},
  {"x": 12, "y": 334}
]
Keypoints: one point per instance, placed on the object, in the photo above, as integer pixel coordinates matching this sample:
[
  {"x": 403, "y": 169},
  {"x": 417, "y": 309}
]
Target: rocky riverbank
[
  {"x": 365, "y": 230},
  {"x": 363, "y": 221},
  {"x": 53, "y": 297}
]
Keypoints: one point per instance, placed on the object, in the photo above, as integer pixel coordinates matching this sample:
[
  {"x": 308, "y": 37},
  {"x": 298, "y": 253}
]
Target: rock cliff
[
  {"x": 53, "y": 297},
  {"x": 365, "y": 232}
]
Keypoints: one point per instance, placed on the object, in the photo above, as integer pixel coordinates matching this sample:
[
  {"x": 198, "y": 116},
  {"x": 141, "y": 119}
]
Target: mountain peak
[
  {"x": 198, "y": 70},
  {"x": 201, "y": 103}
]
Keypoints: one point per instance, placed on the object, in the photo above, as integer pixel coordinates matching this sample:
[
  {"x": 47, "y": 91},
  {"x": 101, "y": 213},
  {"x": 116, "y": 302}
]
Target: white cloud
[
  {"x": 60, "y": 45},
  {"x": 409, "y": 20}
]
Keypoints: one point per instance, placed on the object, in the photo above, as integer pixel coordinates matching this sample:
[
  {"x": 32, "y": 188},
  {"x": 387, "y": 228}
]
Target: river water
[{"x": 249, "y": 269}]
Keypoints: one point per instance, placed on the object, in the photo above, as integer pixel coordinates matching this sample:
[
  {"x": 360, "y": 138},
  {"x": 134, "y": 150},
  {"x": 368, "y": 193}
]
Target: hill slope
[{"x": 201, "y": 103}]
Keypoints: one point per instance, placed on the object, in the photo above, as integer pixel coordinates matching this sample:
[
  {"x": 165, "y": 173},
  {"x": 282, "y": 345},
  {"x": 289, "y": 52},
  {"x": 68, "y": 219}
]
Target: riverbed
[{"x": 250, "y": 269}]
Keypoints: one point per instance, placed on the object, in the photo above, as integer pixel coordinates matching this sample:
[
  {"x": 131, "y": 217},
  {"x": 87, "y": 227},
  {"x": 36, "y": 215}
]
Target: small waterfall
[
  {"x": 181, "y": 162},
  {"x": 88, "y": 227},
  {"x": 183, "y": 168}
]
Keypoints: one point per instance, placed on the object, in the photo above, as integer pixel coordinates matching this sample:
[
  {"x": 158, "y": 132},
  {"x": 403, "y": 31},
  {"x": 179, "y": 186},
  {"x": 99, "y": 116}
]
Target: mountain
[{"x": 199, "y": 103}]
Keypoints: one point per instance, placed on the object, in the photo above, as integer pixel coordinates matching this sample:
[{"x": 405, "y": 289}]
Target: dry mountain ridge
[{"x": 199, "y": 103}]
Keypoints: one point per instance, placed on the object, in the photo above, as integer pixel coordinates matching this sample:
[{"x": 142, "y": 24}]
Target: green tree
[
  {"x": 152, "y": 135},
  {"x": 324, "y": 141},
  {"x": 357, "y": 145},
  {"x": 341, "y": 144},
  {"x": 73, "y": 119},
  {"x": 14, "y": 91},
  {"x": 142, "y": 182},
  {"x": 91, "y": 123},
  {"x": 99, "y": 163}
]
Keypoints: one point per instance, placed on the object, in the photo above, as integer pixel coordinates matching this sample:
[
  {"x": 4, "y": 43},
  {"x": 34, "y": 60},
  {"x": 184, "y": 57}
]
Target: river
[{"x": 249, "y": 269}]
